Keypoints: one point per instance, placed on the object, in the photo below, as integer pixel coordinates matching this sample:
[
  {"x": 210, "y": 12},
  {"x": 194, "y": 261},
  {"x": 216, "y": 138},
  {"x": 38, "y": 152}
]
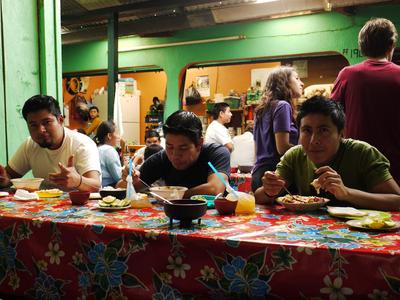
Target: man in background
[
  {"x": 94, "y": 121},
  {"x": 370, "y": 92},
  {"x": 216, "y": 131}
]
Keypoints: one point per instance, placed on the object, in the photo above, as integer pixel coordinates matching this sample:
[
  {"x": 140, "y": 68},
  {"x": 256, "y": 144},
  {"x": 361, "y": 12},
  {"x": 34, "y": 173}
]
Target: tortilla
[{"x": 317, "y": 186}]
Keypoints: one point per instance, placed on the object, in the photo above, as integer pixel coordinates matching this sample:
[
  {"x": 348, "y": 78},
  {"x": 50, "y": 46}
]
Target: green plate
[
  {"x": 208, "y": 198},
  {"x": 371, "y": 213}
]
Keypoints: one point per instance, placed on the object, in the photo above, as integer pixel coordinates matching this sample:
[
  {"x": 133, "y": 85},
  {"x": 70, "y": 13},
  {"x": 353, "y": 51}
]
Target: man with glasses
[{"x": 65, "y": 158}]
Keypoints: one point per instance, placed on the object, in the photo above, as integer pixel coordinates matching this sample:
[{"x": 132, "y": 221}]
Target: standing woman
[
  {"x": 274, "y": 127},
  {"x": 107, "y": 139}
]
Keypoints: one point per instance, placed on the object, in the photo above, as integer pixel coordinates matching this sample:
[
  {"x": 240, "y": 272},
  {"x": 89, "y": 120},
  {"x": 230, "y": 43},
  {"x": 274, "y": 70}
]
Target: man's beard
[{"x": 45, "y": 144}]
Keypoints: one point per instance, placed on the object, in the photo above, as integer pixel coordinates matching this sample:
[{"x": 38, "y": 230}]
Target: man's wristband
[
  {"x": 80, "y": 181},
  {"x": 268, "y": 196}
]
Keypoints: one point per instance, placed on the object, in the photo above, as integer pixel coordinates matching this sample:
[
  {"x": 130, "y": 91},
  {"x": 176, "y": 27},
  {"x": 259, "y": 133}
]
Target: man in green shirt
[{"x": 350, "y": 172}]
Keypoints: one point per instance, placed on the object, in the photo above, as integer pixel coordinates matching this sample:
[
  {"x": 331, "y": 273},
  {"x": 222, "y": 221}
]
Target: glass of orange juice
[{"x": 246, "y": 203}]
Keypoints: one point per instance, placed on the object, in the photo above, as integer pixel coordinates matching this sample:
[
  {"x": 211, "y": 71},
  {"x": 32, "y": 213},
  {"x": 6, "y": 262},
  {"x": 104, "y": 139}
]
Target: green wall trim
[
  {"x": 30, "y": 63},
  {"x": 3, "y": 133},
  {"x": 295, "y": 36},
  {"x": 112, "y": 34},
  {"x": 49, "y": 48}
]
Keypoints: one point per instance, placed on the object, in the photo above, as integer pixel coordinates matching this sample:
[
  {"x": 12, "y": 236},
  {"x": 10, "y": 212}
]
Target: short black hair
[
  {"x": 219, "y": 107},
  {"x": 184, "y": 123},
  {"x": 151, "y": 149},
  {"x": 94, "y": 107},
  {"x": 103, "y": 130},
  {"x": 324, "y": 106},
  {"x": 150, "y": 134},
  {"x": 40, "y": 102}
]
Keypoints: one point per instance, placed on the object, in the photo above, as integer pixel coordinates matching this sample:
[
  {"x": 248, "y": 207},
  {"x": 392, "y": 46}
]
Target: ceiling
[{"x": 85, "y": 20}]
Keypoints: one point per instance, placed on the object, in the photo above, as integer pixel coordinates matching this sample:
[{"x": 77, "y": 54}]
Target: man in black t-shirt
[{"x": 184, "y": 161}]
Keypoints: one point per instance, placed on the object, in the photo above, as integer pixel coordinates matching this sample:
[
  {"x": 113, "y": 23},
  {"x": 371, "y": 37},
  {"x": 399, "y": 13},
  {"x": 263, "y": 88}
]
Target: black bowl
[
  {"x": 185, "y": 209},
  {"x": 117, "y": 193},
  {"x": 245, "y": 169}
]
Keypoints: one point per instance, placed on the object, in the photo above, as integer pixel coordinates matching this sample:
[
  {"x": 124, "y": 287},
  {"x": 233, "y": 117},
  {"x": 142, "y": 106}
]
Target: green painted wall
[
  {"x": 324, "y": 32},
  {"x": 30, "y": 63},
  {"x": 3, "y": 155}
]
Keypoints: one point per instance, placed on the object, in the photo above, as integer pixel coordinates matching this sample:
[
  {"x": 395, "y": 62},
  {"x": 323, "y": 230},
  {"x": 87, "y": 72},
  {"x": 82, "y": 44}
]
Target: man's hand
[
  {"x": 68, "y": 177},
  {"x": 4, "y": 177},
  {"x": 272, "y": 183},
  {"x": 331, "y": 182}
]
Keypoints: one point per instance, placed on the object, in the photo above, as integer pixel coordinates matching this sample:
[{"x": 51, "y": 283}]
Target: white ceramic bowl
[
  {"x": 169, "y": 192},
  {"x": 29, "y": 184}
]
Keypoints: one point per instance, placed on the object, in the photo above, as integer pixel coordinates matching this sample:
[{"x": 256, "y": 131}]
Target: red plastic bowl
[
  {"x": 78, "y": 197},
  {"x": 225, "y": 207}
]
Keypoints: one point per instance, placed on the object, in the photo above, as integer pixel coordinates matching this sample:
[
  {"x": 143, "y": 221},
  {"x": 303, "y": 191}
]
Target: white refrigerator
[{"x": 128, "y": 99}]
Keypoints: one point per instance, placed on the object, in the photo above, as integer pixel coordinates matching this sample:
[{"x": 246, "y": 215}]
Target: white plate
[
  {"x": 358, "y": 224},
  {"x": 113, "y": 207},
  {"x": 4, "y": 194}
]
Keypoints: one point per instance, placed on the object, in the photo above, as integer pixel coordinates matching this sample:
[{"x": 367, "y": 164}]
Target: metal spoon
[
  {"x": 287, "y": 191},
  {"x": 217, "y": 196},
  {"x": 162, "y": 198}
]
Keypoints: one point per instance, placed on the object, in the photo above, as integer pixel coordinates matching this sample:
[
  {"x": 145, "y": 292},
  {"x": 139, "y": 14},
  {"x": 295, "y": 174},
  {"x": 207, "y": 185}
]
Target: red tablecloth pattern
[
  {"x": 240, "y": 181},
  {"x": 53, "y": 250}
]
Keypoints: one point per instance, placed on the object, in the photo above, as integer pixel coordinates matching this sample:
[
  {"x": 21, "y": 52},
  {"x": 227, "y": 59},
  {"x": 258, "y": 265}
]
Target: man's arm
[
  {"x": 6, "y": 173},
  {"x": 229, "y": 146},
  {"x": 382, "y": 196},
  {"x": 69, "y": 178},
  {"x": 272, "y": 187},
  {"x": 213, "y": 186}
]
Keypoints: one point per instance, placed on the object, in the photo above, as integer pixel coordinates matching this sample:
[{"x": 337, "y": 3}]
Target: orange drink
[{"x": 246, "y": 203}]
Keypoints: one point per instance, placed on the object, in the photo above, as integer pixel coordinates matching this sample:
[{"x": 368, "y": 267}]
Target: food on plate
[
  {"x": 297, "y": 199},
  {"x": 111, "y": 201},
  {"x": 377, "y": 223},
  {"x": 317, "y": 186},
  {"x": 4, "y": 194},
  {"x": 50, "y": 193}
]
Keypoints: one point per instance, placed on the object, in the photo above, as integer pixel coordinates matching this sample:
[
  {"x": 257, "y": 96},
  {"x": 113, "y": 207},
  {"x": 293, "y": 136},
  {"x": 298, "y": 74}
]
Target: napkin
[
  {"x": 346, "y": 211},
  {"x": 4, "y": 194},
  {"x": 24, "y": 195}
]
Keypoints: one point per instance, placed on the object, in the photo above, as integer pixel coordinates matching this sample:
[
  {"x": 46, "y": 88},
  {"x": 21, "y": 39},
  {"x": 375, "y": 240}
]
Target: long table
[{"x": 50, "y": 249}]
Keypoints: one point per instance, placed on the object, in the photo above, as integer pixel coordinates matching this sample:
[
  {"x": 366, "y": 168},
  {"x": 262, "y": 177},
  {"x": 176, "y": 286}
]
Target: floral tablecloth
[
  {"x": 240, "y": 181},
  {"x": 52, "y": 250}
]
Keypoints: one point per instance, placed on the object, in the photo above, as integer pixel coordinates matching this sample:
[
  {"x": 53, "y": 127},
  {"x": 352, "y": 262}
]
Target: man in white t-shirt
[
  {"x": 67, "y": 159},
  {"x": 217, "y": 132},
  {"x": 244, "y": 153}
]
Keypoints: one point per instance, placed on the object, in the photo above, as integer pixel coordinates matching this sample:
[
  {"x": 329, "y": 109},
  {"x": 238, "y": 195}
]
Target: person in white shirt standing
[
  {"x": 244, "y": 153},
  {"x": 217, "y": 132}
]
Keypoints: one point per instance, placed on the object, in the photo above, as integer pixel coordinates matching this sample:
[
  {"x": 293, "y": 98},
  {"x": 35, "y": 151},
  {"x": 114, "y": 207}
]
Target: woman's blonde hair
[{"x": 277, "y": 87}]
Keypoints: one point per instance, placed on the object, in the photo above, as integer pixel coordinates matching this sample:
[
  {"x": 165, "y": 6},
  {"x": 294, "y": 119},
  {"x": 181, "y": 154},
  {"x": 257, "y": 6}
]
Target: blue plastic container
[{"x": 208, "y": 198}]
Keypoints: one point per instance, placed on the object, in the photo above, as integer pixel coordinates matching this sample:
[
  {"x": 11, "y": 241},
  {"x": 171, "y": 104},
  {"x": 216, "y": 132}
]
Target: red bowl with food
[
  {"x": 225, "y": 207},
  {"x": 78, "y": 197}
]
